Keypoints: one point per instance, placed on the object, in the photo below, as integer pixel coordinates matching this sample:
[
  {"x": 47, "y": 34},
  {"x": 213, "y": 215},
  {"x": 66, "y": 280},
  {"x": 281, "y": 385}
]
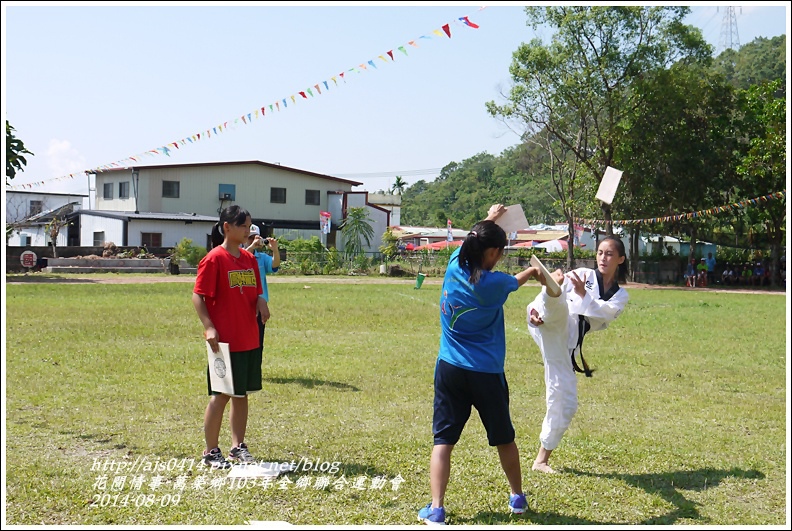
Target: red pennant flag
[
  {"x": 262, "y": 111},
  {"x": 468, "y": 22},
  {"x": 447, "y": 30},
  {"x": 303, "y": 95},
  {"x": 390, "y": 52}
]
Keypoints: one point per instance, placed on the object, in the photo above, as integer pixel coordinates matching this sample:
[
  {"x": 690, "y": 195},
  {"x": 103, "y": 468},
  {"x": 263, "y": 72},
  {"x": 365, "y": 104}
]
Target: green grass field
[{"x": 684, "y": 421}]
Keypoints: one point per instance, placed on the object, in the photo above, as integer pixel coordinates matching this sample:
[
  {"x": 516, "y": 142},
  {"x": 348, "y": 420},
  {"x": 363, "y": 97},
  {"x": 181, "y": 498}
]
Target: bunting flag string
[
  {"x": 691, "y": 215},
  {"x": 248, "y": 118}
]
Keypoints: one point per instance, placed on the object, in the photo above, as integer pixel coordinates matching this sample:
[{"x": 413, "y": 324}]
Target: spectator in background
[
  {"x": 758, "y": 274},
  {"x": 690, "y": 274},
  {"x": 268, "y": 265},
  {"x": 767, "y": 277},
  {"x": 747, "y": 275},
  {"x": 710, "y": 261},
  {"x": 726, "y": 276},
  {"x": 702, "y": 272}
]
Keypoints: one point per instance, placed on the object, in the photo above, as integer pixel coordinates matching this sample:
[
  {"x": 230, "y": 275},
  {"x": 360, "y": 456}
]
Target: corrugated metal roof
[
  {"x": 162, "y": 216},
  {"x": 233, "y": 163}
]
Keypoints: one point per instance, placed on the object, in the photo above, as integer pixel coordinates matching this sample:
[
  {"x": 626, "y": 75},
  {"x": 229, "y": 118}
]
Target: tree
[
  {"x": 680, "y": 141},
  {"x": 762, "y": 165},
  {"x": 53, "y": 228},
  {"x": 754, "y": 63},
  {"x": 576, "y": 87},
  {"x": 15, "y": 153},
  {"x": 356, "y": 229},
  {"x": 399, "y": 185}
]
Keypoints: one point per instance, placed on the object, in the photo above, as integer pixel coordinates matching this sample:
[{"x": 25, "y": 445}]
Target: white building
[
  {"x": 28, "y": 212},
  {"x": 282, "y": 201}
]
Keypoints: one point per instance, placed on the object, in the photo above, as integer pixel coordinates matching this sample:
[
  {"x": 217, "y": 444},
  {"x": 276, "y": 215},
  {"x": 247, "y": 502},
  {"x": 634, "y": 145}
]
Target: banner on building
[{"x": 324, "y": 222}]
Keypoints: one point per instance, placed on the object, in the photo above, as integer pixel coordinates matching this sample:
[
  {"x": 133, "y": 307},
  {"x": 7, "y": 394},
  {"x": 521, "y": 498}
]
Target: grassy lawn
[{"x": 684, "y": 421}]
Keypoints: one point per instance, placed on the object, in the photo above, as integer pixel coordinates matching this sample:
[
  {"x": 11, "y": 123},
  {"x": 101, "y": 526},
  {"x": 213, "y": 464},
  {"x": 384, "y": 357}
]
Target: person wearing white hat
[{"x": 267, "y": 264}]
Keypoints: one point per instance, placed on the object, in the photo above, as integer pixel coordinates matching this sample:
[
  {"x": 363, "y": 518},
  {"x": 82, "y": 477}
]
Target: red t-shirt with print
[{"x": 230, "y": 287}]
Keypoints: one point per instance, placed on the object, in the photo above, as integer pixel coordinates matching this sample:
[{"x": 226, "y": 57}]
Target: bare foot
[{"x": 542, "y": 467}]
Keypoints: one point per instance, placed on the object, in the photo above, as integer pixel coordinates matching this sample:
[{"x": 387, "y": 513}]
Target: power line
[{"x": 389, "y": 174}]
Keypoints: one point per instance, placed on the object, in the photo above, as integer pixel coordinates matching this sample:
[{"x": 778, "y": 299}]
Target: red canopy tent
[{"x": 436, "y": 246}]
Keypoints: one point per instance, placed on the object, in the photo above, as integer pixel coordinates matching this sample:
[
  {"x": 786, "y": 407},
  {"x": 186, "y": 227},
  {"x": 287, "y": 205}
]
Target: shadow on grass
[
  {"x": 310, "y": 383},
  {"x": 39, "y": 278},
  {"x": 529, "y": 517},
  {"x": 667, "y": 485}
]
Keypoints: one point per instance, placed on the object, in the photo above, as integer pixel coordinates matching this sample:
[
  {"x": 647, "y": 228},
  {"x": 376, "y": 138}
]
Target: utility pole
[{"x": 729, "y": 37}]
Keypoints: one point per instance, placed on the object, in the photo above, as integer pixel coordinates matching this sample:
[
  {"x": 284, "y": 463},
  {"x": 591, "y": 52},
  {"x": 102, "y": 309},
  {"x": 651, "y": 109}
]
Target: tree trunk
[
  {"x": 570, "y": 243},
  {"x": 634, "y": 235},
  {"x": 608, "y": 217}
]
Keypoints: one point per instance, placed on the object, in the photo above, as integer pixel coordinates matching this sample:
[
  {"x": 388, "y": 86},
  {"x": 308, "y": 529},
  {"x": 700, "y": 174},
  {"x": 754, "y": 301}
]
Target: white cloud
[{"x": 62, "y": 159}]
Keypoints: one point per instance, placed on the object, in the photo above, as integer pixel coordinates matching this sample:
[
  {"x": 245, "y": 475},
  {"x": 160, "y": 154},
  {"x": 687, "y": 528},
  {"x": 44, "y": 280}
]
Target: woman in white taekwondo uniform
[{"x": 588, "y": 302}]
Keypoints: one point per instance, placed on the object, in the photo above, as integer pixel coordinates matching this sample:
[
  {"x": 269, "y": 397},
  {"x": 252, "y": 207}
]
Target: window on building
[
  {"x": 151, "y": 239},
  {"x": 24, "y": 240},
  {"x": 312, "y": 197},
  {"x": 277, "y": 195},
  {"x": 99, "y": 239},
  {"x": 107, "y": 191},
  {"x": 36, "y": 207},
  {"x": 123, "y": 190},
  {"x": 170, "y": 189}
]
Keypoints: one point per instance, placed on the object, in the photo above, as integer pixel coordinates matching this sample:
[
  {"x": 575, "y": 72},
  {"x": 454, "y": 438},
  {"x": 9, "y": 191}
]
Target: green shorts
[{"x": 246, "y": 371}]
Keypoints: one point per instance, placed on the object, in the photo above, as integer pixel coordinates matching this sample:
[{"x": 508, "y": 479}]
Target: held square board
[{"x": 552, "y": 286}]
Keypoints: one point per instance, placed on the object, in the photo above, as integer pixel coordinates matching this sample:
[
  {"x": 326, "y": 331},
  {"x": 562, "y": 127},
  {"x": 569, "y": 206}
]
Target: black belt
[{"x": 583, "y": 327}]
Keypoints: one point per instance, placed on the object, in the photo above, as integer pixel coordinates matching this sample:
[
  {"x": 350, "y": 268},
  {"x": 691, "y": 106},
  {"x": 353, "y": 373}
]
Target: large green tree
[
  {"x": 758, "y": 61},
  {"x": 678, "y": 146},
  {"x": 762, "y": 165},
  {"x": 464, "y": 191},
  {"x": 576, "y": 87},
  {"x": 15, "y": 153}
]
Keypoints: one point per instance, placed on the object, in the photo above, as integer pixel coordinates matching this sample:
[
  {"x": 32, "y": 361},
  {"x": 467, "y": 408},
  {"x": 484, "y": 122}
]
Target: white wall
[
  {"x": 199, "y": 188},
  {"x": 38, "y": 237},
  {"x": 172, "y": 231},
  {"x": 113, "y": 230},
  {"x": 17, "y": 204}
]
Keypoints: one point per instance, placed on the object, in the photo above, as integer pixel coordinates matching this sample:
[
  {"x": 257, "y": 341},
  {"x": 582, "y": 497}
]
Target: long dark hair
[
  {"x": 484, "y": 235},
  {"x": 235, "y": 215},
  {"x": 622, "y": 274}
]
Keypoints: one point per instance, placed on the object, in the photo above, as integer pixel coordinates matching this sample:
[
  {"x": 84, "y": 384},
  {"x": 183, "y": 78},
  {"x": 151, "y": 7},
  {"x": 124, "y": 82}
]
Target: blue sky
[{"x": 87, "y": 84}]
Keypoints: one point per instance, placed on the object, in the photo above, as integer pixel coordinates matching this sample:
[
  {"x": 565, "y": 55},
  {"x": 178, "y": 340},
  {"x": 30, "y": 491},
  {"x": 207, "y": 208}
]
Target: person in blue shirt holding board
[{"x": 469, "y": 371}]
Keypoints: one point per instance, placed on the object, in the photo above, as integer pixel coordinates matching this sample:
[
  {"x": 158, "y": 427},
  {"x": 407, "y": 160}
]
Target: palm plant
[
  {"x": 398, "y": 185},
  {"x": 356, "y": 229}
]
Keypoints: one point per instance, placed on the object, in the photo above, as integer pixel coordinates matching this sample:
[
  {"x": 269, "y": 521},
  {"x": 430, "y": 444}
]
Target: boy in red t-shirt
[{"x": 226, "y": 298}]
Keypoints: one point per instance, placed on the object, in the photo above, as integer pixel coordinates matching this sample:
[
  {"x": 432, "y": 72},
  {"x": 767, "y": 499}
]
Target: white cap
[{"x": 254, "y": 230}]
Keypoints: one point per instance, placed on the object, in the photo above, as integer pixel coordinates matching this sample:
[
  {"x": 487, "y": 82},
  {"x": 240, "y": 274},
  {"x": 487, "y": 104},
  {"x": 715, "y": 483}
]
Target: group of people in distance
[
  {"x": 747, "y": 274},
  {"x": 469, "y": 371},
  {"x": 231, "y": 299}
]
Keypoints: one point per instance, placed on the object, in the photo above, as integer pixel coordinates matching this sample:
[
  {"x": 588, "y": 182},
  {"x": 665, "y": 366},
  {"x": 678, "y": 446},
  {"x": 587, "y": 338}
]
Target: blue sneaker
[
  {"x": 431, "y": 516},
  {"x": 518, "y": 503}
]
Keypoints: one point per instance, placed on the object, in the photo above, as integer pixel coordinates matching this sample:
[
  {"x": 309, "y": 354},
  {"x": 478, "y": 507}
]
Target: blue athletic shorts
[{"x": 456, "y": 390}]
